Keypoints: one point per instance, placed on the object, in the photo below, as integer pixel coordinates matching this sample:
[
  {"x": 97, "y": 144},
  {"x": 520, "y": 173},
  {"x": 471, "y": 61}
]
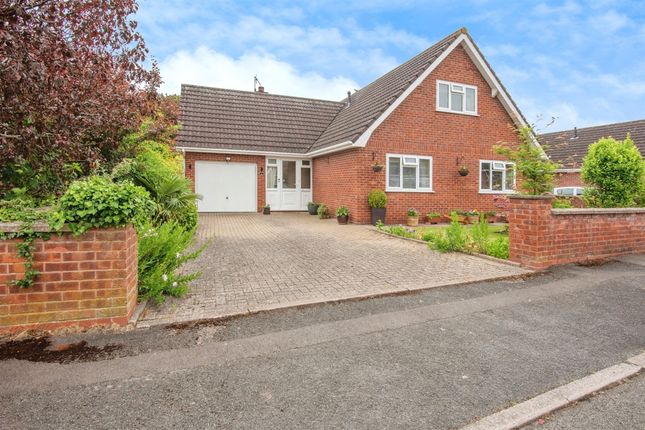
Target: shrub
[
  {"x": 561, "y": 203},
  {"x": 342, "y": 211},
  {"x": 412, "y": 212},
  {"x": 99, "y": 202},
  {"x": 377, "y": 198},
  {"x": 399, "y": 230},
  {"x": 537, "y": 172},
  {"x": 498, "y": 248},
  {"x": 428, "y": 236},
  {"x": 480, "y": 234},
  {"x": 156, "y": 169},
  {"x": 162, "y": 251},
  {"x": 615, "y": 170},
  {"x": 433, "y": 215},
  {"x": 323, "y": 211},
  {"x": 453, "y": 240}
]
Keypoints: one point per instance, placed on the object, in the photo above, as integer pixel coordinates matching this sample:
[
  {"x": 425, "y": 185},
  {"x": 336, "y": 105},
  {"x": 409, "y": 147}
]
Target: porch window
[
  {"x": 272, "y": 173},
  {"x": 305, "y": 175},
  {"x": 409, "y": 173}
]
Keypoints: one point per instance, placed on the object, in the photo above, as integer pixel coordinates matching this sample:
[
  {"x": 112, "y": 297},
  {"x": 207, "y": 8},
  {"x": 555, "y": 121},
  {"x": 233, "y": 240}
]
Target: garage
[{"x": 226, "y": 186}]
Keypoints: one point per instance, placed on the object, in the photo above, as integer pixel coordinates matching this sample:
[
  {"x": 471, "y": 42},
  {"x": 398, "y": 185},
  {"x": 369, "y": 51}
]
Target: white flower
[
  {"x": 164, "y": 277},
  {"x": 178, "y": 255},
  {"x": 174, "y": 284}
]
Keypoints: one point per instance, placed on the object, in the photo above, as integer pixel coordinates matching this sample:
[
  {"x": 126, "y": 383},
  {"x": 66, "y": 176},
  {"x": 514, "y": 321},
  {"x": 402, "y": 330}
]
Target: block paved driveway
[{"x": 258, "y": 262}]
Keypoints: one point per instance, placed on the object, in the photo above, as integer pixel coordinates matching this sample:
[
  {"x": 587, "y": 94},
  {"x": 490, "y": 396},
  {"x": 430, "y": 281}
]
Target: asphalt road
[{"x": 435, "y": 359}]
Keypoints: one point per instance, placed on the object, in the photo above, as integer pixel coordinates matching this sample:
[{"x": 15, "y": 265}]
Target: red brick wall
[
  {"x": 569, "y": 179},
  {"x": 89, "y": 280},
  {"x": 541, "y": 237},
  {"x": 335, "y": 182},
  {"x": 416, "y": 128},
  {"x": 260, "y": 160}
]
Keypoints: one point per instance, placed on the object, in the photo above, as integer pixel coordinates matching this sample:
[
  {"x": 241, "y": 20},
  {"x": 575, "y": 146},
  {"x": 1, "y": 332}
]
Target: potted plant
[
  {"x": 342, "y": 215},
  {"x": 463, "y": 171},
  {"x": 323, "y": 211},
  {"x": 413, "y": 217},
  {"x": 377, "y": 200},
  {"x": 377, "y": 167},
  {"x": 267, "y": 209},
  {"x": 472, "y": 216},
  {"x": 461, "y": 216},
  {"x": 312, "y": 208},
  {"x": 433, "y": 217},
  {"x": 490, "y": 216}
]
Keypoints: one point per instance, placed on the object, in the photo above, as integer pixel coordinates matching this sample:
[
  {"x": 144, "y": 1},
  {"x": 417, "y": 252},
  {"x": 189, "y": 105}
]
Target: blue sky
[{"x": 582, "y": 62}]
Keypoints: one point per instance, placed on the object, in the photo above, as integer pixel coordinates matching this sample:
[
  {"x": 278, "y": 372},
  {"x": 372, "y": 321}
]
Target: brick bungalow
[
  {"x": 440, "y": 111},
  {"x": 568, "y": 148}
]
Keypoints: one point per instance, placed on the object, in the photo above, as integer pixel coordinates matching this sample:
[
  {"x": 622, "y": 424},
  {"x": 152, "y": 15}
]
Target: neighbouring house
[
  {"x": 437, "y": 114},
  {"x": 568, "y": 148}
]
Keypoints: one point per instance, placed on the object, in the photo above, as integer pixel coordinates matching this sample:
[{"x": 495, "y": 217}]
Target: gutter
[{"x": 334, "y": 148}]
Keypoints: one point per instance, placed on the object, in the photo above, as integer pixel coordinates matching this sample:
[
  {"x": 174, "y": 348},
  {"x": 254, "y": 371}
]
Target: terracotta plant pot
[
  {"x": 342, "y": 219},
  {"x": 434, "y": 220},
  {"x": 461, "y": 219},
  {"x": 413, "y": 221},
  {"x": 472, "y": 219}
]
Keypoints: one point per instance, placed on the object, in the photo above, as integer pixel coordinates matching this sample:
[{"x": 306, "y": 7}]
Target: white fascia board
[
  {"x": 334, "y": 148},
  {"x": 362, "y": 140},
  {"x": 185, "y": 149},
  {"x": 323, "y": 151}
]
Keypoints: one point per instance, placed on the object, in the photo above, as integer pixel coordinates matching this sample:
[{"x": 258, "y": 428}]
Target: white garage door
[{"x": 226, "y": 187}]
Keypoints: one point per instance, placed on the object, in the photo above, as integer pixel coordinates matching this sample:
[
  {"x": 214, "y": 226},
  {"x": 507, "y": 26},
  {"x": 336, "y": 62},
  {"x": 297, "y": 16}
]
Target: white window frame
[
  {"x": 463, "y": 91},
  {"x": 575, "y": 188},
  {"x": 400, "y": 189},
  {"x": 503, "y": 190}
]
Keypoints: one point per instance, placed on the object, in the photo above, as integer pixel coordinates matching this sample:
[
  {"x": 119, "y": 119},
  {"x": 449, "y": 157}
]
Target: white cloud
[
  {"x": 205, "y": 66},
  {"x": 569, "y": 7},
  {"x": 609, "y": 22}
]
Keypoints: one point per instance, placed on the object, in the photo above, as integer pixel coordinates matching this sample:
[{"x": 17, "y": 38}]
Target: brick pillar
[{"x": 529, "y": 230}]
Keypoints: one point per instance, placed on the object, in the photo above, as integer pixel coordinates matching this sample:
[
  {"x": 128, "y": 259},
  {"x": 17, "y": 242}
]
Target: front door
[{"x": 288, "y": 184}]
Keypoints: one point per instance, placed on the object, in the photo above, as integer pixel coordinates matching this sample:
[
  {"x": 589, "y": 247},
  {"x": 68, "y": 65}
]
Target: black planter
[
  {"x": 378, "y": 214},
  {"x": 266, "y": 211},
  {"x": 342, "y": 219},
  {"x": 313, "y": 209},
  {"x": 463, "y": 171}
]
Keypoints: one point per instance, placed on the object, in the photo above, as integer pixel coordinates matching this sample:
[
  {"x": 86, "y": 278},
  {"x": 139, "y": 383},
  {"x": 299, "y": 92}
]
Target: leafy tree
[
  {"x": 536, "y": 171},
  {"x": 615, "y": 170},
  {"x": 72, "y": 84}
]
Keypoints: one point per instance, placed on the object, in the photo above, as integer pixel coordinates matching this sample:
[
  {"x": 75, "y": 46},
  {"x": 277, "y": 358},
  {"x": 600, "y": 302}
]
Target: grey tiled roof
[
  {"x": 370, "y": 102},
  {"x": 230, "y": 119},
  {"x": 568, "y": 151}
]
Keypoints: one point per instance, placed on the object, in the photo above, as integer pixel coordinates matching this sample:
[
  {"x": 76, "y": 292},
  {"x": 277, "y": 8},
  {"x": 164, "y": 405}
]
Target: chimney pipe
[
  {"x": 575, "y": 133},
  {"x": 349, "y": 98},
  {"x": 261, "y": 89}
]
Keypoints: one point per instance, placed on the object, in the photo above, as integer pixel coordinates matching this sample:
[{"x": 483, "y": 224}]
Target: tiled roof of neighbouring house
[
  {"x": 230, "y": 119},
  {"x": 565, "y": 148}
]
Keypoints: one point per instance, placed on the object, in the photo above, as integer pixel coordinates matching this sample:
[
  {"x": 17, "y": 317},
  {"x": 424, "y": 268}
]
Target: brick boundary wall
[
  {"x": 541, "y": 237},
  {"x": 87, "y": 280}
]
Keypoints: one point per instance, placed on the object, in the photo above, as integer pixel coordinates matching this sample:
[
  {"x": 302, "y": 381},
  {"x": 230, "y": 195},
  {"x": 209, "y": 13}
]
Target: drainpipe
[{"x": 183, "y": 166}]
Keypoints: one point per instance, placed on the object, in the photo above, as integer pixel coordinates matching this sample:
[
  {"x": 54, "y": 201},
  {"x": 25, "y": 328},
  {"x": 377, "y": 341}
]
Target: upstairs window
[
  {"x": 496, "y": 176},
  {"x": 459, "y": 98}
]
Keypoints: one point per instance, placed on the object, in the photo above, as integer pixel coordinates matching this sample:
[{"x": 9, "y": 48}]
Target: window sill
[
  {"x": 455, "y": 112},
  {"x": 497, "y": 192},
  {"x": 390, "y": 190}
]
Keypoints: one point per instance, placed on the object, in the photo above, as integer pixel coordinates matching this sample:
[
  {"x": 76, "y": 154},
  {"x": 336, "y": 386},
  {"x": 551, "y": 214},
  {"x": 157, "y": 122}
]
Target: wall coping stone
[
  {"x": 597, "y": 211},
  {"x": 38, "y": 226},
  {"x": 529, "y": 197}
]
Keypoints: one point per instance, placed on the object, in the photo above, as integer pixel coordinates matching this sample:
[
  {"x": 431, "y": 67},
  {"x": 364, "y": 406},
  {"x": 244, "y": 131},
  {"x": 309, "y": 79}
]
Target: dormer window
[{"x": 455, "y": 97}]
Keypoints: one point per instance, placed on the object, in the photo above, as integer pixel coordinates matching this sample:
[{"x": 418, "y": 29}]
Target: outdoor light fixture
[{"x": 228, "y": 158}]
